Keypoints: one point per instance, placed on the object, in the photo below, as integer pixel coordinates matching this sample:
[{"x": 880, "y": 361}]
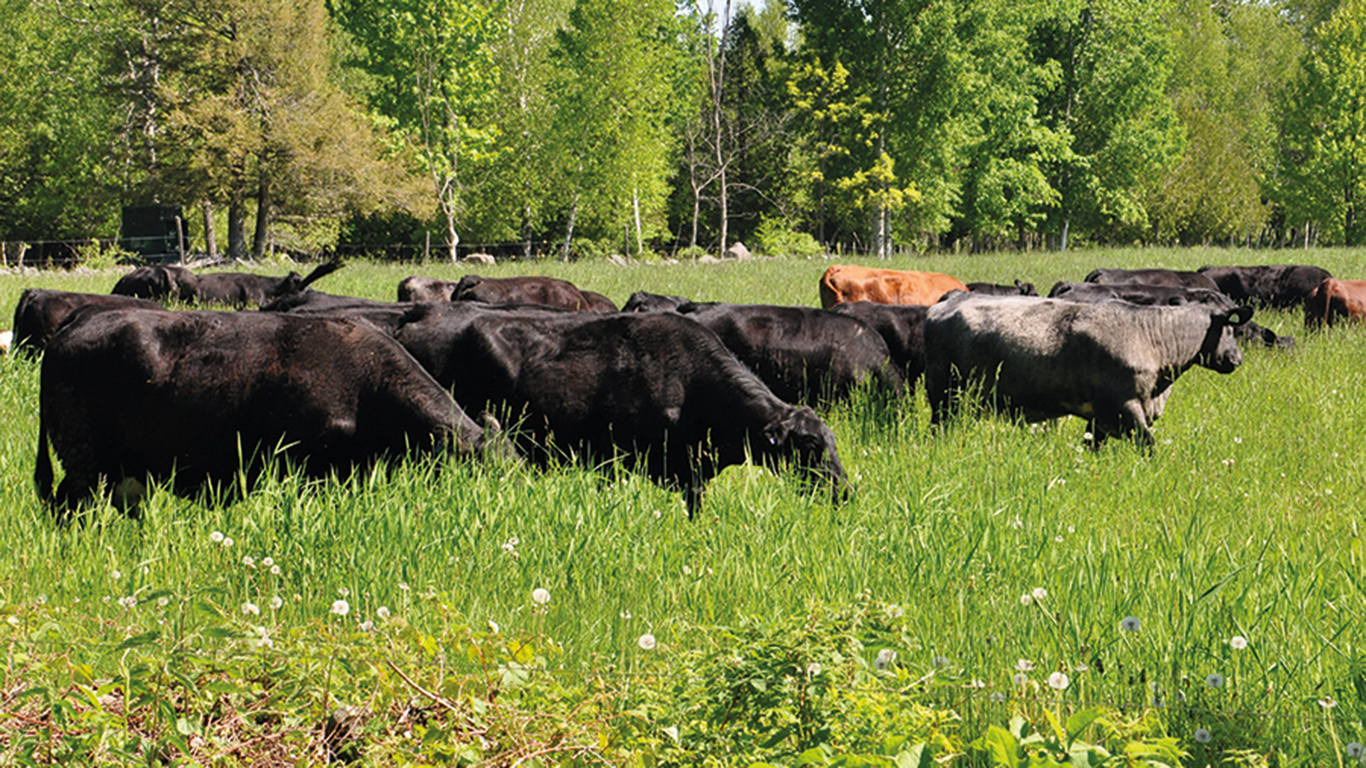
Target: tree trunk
[
  {"x": 210, "y": 236},
  {"x": 569, "y": 228},
  {"x": 237, "y": 229},
  {"x": 263, "y": 204},
  {"x": 635, "y": 206},
  {"x": 452, "y": 237}
]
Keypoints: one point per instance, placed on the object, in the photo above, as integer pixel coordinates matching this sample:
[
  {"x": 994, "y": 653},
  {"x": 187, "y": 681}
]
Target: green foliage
[
  {"x": 775, "y": 237},
  {"x": 1327, "y": 158},
  {"x": 1059, "y": 744}
]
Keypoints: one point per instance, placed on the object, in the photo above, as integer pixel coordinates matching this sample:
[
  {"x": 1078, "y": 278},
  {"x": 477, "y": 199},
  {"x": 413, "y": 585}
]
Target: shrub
[{"x": 775, "y": 237}]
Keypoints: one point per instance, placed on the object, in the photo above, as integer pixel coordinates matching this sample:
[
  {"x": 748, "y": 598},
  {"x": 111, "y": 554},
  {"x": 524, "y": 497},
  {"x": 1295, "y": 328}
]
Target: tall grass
[{"x": 1243, "y": 521}]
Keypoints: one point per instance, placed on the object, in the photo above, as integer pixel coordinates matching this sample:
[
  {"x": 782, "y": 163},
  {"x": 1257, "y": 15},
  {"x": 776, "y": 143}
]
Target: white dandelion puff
[
  {"x": 277, "y": 602},
  {"x": 1238, "y": 642},
  {"x": 1130, "y": 624},
  {"x": 216, "y": 537},
  {"x": 1328, "y": 702},
  {"x": 116, "y": 575},
  {"x": 813, "y": 669},
  {"x": 885, "y": 658},
  {"x": 1202, "y": 735},
  {"x": 367, "y": 626},
  {"x": 249, "y": 561},
  {"x": 1058, "y": 681},
  {"x": 1026, "y": 599},
  {"x": 1039, "y": 593},
  {"x": 540, "y": 595},
  {"x": 383, "y": 613},
  {"x": 1024, "y": 665},
  {"x": 1356, "y": 749},
  {"x": 128, "y": 602},
  {"x": 1021, "y": 678},
  {"x": 275, "y": 570},
  {"x": 267, "y": 561},
  {"x": 1215, "y": 680},
  {"x": 646, "y": 642},
  {"x": 998, "y": 698},
  {"x": 941, "y": 661},
  {"x": 493, "y": 626},
  {"x": 250, "y": 609},
  {"x": 340, "y": 607},
  {"x": 227, "y": 541}
]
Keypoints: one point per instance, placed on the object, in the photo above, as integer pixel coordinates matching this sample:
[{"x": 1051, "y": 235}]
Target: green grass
[{"x": 1245, "y": 520}]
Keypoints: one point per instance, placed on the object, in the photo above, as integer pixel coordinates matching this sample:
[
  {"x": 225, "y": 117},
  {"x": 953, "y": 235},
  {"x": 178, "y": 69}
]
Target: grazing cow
[
  {"x": 847, "y": 282},
  {"x": 131, "y": 394},
  {"x": 159, "y": 282},
  {"x": 382, "y": 315},
  {"x": 419, "y": 288},
  {"x": 803, "y": 354},
  {"x": 1166, "y": 295},
  {"x": 1170, "y": 277},
  {"x": 1335, "y": 300},
  {"x": 640, "y": 301},
  {"x": 549, "y": 291},
  {"x": 1274, "y": 285},
  {"x": 240, "y": 289},
  {"x": 1112, "y": 363},
  {"x": 40, "y": 312},
  {"x": 901, "y": 326},
  {"x": 992, "y": 289},
  {"x": 654, "y": 390}
]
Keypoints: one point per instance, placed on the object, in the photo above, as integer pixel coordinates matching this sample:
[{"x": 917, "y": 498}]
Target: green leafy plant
[{"x": 776, "y": 237}]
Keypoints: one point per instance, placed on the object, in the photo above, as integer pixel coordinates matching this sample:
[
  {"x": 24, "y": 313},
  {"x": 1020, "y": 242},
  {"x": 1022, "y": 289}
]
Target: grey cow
[{"x": 1112, "y": 364}]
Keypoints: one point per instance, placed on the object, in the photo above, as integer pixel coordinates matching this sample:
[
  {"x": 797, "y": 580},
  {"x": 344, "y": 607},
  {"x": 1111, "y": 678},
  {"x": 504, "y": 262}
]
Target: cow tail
[
  {"x": 42, "y": 465},
  {"x": 829, "y": 296}
]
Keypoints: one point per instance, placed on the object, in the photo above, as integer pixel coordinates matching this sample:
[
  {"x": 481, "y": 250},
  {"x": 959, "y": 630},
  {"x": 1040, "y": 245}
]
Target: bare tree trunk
[
  {"x": 263, "y": 204},
  {"x": 210, "y": 236},
  {"x": 569, "y": 228},
  {"x": 635, "y": 206},
  {"x": 237, "y": 229}
]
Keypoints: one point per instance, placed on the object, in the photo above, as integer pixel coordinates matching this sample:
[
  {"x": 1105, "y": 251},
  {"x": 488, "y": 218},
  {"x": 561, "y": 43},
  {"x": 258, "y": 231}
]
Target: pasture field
[{"x": 1235, "y": 547}]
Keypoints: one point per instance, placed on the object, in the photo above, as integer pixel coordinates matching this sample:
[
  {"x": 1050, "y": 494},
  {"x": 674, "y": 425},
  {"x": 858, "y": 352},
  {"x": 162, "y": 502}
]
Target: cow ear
[{"x": 1239, "y": 315}]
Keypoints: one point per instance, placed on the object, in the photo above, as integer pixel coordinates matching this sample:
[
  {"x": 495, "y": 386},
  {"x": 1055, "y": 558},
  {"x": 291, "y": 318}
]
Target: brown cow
[
  {"x": 1333, "y": 300},
  {"x": 847, "y": 282}
]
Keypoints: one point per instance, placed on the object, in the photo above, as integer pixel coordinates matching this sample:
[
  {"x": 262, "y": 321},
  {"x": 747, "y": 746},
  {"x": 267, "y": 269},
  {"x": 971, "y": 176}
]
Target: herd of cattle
[{"x": 675, "y": 388}]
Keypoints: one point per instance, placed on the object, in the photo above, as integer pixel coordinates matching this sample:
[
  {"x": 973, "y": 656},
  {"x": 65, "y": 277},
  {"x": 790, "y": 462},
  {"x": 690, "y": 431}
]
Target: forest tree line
[{"x": 581, "y": 127}]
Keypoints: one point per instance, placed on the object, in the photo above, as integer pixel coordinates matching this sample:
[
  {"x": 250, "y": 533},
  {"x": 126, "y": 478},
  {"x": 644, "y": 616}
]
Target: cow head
[
  {"x": 1220, "y": 350},
  {"x": 801, "y": 434}
]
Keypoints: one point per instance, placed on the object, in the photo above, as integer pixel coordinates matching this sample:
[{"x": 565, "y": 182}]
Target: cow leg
[
  {"x": 937, "y": 386},
  {"x": 692, "y": 496}
]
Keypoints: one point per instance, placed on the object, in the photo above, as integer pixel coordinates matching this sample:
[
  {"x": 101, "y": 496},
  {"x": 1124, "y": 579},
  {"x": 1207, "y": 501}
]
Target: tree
[
  {"x": 617, "y": 67},
  {"x": 1115, "y": 63},
  {"x": 1326, "y": 153},
  {"x": 433, "y": 62},
  {"x": 56, "y": 175}
]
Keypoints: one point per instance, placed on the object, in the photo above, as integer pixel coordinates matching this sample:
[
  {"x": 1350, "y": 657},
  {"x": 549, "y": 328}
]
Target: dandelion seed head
[
  {"x": 128, "y": 602},
  {"x": 162, "y": 602},
  {"x": 1058, "y": 681},
  {"x": 885, "y": 658},
  {"x": 813, "y": 669},
  {"x": 116, "y": 575},
  {"x": 275, "y": 570},
  {"x": 1215, "y": 680},
  {"x": 250, "y": 609},
  {"x": 1024, "y": 665},
  {"x": 1026, "y": 599},
  {"x": 277, "y": 602},
  {"x": 998, "y": 697},
  {"x": 646, "y": 642},
  {"x": 216, "y": 537},
  {"x": 493, "y": 626},
  {"x": 940, "y": 661},
  {"x": 383, "y": 613},
  {"x": 1356, "y": 749},
  {"x": 1202, "y": 735},
  {"x": 1237, "y": 642},
  {"x": 1039, "y": 593},
  {"x": 340, "y": 607},
  {"x": 540, "y": 595},
  {"x": 1131, "y": 624},
  {"x": 227, "y": 541},
  {"x": 249, "y": 561},
  {"x": 267, "y": 561},
  {"x": 1021, "y": 678},
  {"x": 367, "y": 626},
  {"x": 1328, "y": 702}
]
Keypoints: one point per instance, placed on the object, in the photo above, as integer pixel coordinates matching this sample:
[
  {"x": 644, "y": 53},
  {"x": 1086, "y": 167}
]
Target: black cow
[
  {"x": 992, "y": 289},
  {"x": 901, "y": 326},
  {"x": 597, "y": 302},
  {"x": 1111, "y": 363},
  {"x": 131, "y": 394},
  {"x": 803, "y": 354},
  {"x": 640, "y": 301},
  {"x": 1282, "y": 286},
  {"x": 656, "y": 391},
  {"x": 1170, "y": 277},
  {"x": 419, "y": 288},
  {"x": 1165, "y": 295},
  {"x": 159, "y": 282},
  {"x": 40, "y": 312},
  {"x": 241, "y": 289}
]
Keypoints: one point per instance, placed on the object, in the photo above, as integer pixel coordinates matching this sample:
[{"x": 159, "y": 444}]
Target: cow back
[{"x": 847, "y": 282}]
